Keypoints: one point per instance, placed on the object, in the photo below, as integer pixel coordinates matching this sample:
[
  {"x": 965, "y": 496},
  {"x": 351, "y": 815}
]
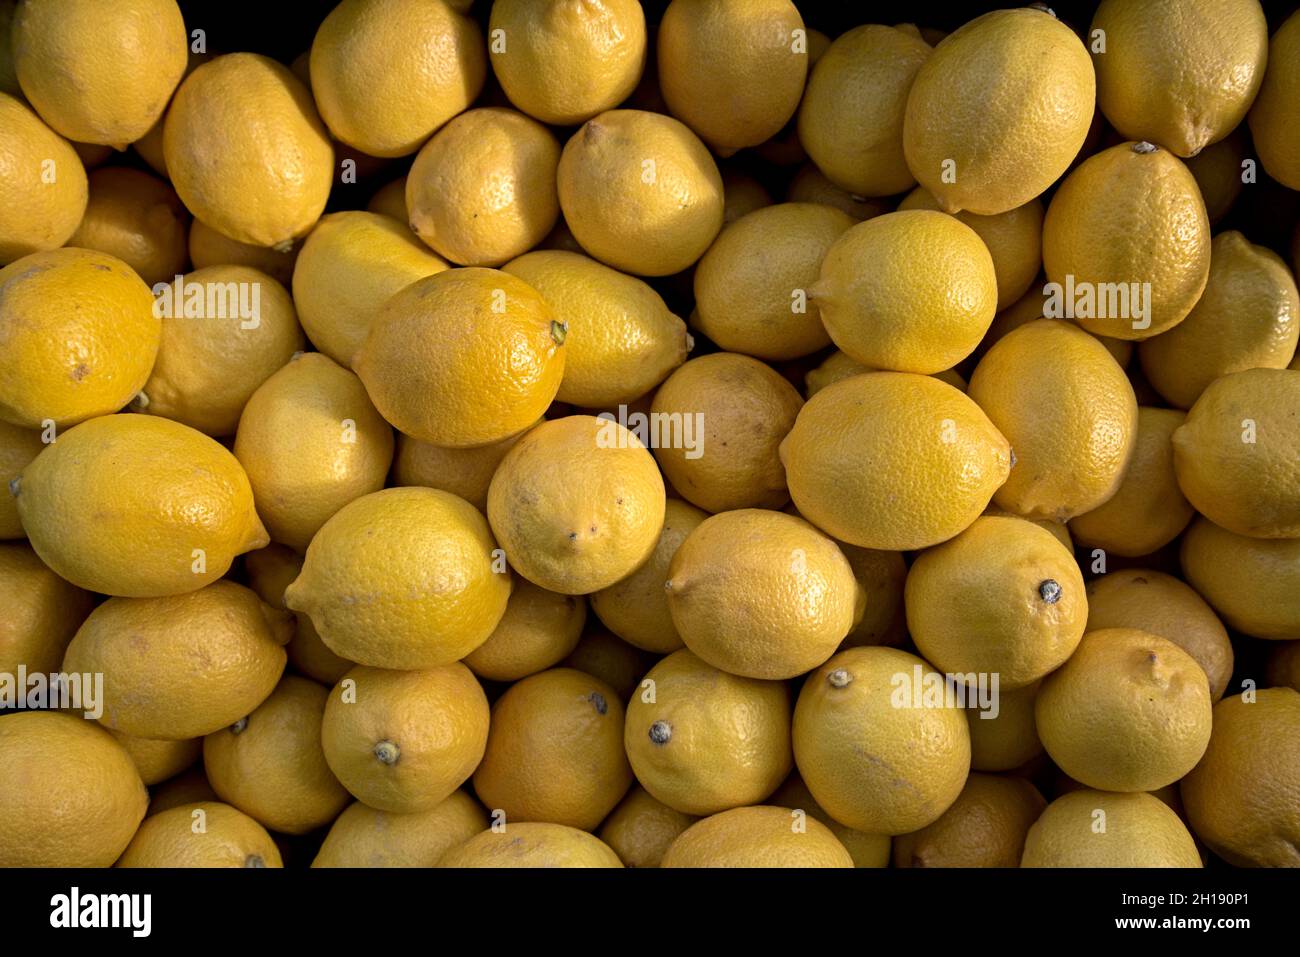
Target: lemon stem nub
[
  {"x": 141, "y": 400},
  {"x": 839, "y": 678},
  {"x": 387, "y": 752},
  {"x": 253, "y": 860},
  {"x": 13, "y": 485},
  {"x": 661, "y": 732},
  {"x": 239, "y": 726},
  {"x": 1050, "y": 591},
  {"x": 1144, "y": 147},
  {"x": 559, "y": 331}
]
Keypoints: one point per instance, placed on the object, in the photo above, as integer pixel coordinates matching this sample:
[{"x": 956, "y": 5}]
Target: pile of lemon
[{"x": 715, "y": 443}]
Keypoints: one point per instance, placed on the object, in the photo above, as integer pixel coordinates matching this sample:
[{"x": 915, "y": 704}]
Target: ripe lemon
[
  {"x": 1247, "y": 318},
  {"x": 985, "y": 827},
  {"x": 640, "y": 192},
  {"x": 1089, "y": 828},
  {"x": 856, "y": 723},
  {"x": 387, "y": 73},
  {"x": 210, "y": 248},
  {"x": 172, "y": 507},
  {"x": 1273, "y": 115},
  {"x": 247, "y": 151},
  {"x": 99, "y": 71},
  {"x": 390, "y": 200},
  {"x": 188, "y": 788},
  {"x": 463, "y": 472},
  {"x": 403, "y": 578},
  {"x": 1069, "y": 413},
  {"x": 1253, "y": 583},
  {"x": 1014, "y": 240},
  {"x": 741, "y": 194},
  {"x": 1179, "y": 74},
  {"x": 880, "y": 575},
  {"x": 751, "y": 55},
  {"x": 893, "y": 461},
  {"x": 1218, "y": 169},
  {"x": 1283, "y": 669},
  {"x": 1007, "y": 739},
  {"x": 636, "y": 608},
  {"x": 565, "y": 62},
  {"x": 555, "y": 751},
  {"x": 762, "y": 594},
  {"x": 1237, "y": 456},
  {"x": 18, "y": 446},
  {"x": 43, "y": 612},
  {"x": 37, "y": 212},
  {"x": 1128, "y": 712},
  {"x": 751, "y": 287},
  {"x": 311, "y": 442},
  {"x": 364, "y": 837},
  {"x": 762, "y": 836},
  {"x": 538, "y": 630},
  {"x": 1003, "y": 597},
  {"x": 867, "y": 850},
  {"x": 577, "y": 504},
  {"x": 137, "y": 218},
  {"x": 836, "y": 366},
  {"x": 640, "y": 829},
  {"x": 100, "y": 798},
  {"x": 78, "y": 336},
  {"x": 157, "y": 760},
  {"x": 1148, "y": 510},
  {"x": 702, "y": 740},
  {"x": 851, "y": 118},
  {"x": 740, "y": 410},
  {"x": 270, "y": 571},
  {"x": 532, "y": 844},
  {"x": 986, "y": 129},
  {"x": 403, "y": 741},
  {"x": 810, "y": 185},
  {"x": 182, "y": 666},
  {"x": 603, "y": 655},
  {"x": 202, "y": 834},
  {"x": 1129, "y": 225},
  {"x": 912, "y": 291},
  {"x": 270, "y": 764},
  {"x": 350, "y": 265},
  {"x": 464, "y": 357},
  {"x": 1032, "y": 305},
  {"x": 621, "y": 339}
]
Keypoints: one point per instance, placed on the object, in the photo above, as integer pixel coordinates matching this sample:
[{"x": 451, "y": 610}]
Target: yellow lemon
[
  {"x": 532, "y": 844},
  {"x": 1253, "y": 583},
  {"x": 156, "y": 759},
  {"x": 37, "y": 211},
  {"x": 137, "y": 218},
  {"x": 1007, "y": 738},
  {"x": 364, "y": 837},
  {"x": 880, "y": 575},
  {"x": 867, "y": 850},
  {"x": 810, "y": 185},
  {"x": 18, "y": 447},
  {"x": 202, "y": 834},
  {"x": 640, "y": 829},
  {"x": 210, "y": 248},
  {"x": 537, "y": 631},
  {"x": 1274, "y": 114},
  {"x": 762, "y": 836},
  {"x": 270, "y": 571},
  {"x": 390, "y": 200},
  {"x": 1089, "y": 828},
  {"x": 463, "y": 472},
  {"x": 43, "y": 612},
  {"x": 741, "y": 194},
  {"x": 985, "y": 827},
  {"x": 1218, "y": 170},
  {"x": 603, "y": 655}
]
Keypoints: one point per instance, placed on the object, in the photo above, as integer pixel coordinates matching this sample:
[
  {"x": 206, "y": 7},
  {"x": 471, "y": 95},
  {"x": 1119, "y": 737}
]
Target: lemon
[
  {"x": 893, "y": 461},
  {"x": 911, "y": 291},
  {"x": 741, "y": 194},
  {"x": 810, "y": 185},
  {"x": 538, "y": 630},
  {"x": 311, "y": 442},
  {"x": 577, "y": 504},
  {"x": 201, "y": 834},
  {"x": 270, "y": 571},
  {"x": 1283, "y": 668},
  {"x": 171, "y": 507},
  {"x": 187, "y": 788},
  {"x": 1003, "y": 597},
  {"x": 867, "y": 850},
  {"x": 851, "y": 118},
  {"x": 464, "y": 357},
  {"x": 403, "y": 578},
  {"x": 603, "y": 655},
  {"x": 1089, "y": 828},
  {"x": 1013, "y": 238},
  {"x": 1162, "y": 605},
  {"x": 1032, "y": 305},
  {"x": 621, "y": 341},
  {"x": 1128, "y": 712},
  {"x": 8, "y": 79},
  {"x": 1069, "y": 413},
  {"x": 270, "y": 765},
  {"x": 101, "y": 799},
  {"x": 482, "y": 190},
  {"x": 364, "y": 837},
  {"x": 387, "y": 73},
  {"x": 986, "y": 129},
  {"x": 725, "y": 395},
  {"x": 350, "y": 265},
  {"x": 706, "y": 740},
  {"x": 762, "y": 836},
  {"x": 1274, "y": 113},
  {"x": 182, "y": 666},
  {"x": 78, "y": 336},
  {"x": 43, "y": 612},
  {"x": 636, "y": 608},
  {"x": 640, "y": 829},
  {"x": 1147, "y": 511},
  {"x": 1253, "y": 583},
  {"x": 555, "y": 751},
  {"x": 390, "y": 200},
  {"x": 1130, "y": 227},
  {"x": 750, "y": 54},
  {"x": 532, "y": 844},
  {"x": 99, "y": 71},
  {"x": 247, "y": 151},
  {"x": 403, "y": 741},
  {"x": 762, "y": 594},
  {"x": 463, "y": 472},
  {"x": 640, "y": 192},
  {"x": 985, "y": 827},
  {"x": 1179, "y": 74},
  {"x": 38, "y": 211},
  {"x": 210, "y": 248},
  {"x": 1237, "y": 456},
  {"x": 156, "y": 759},
  {"x": 751, "y": 287},
  {"x": 18, "y": 446},
  {"x": 563, "y": 62},
  {"x": 137, "y": 218},
  {"x": 839, "y": 366},
  {"x": 1007, "y": 739},
  {"x": 880, "y": 575}
]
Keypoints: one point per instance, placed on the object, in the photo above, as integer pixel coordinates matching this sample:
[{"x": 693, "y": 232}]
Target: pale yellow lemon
[
  {"x": 1005, "y": 738},
  {"x": 44, "y": 192},
  {"x": 762, "y": 836},
  {"x": 1275, "y": 115},
  {"x": 538, "y": 630},
  {"x": 43, "y": 612},
  {"x": 1089, "y": 828},
  {"x": 364, "y": 837},
  {"x": 1253, "y": 583}
]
